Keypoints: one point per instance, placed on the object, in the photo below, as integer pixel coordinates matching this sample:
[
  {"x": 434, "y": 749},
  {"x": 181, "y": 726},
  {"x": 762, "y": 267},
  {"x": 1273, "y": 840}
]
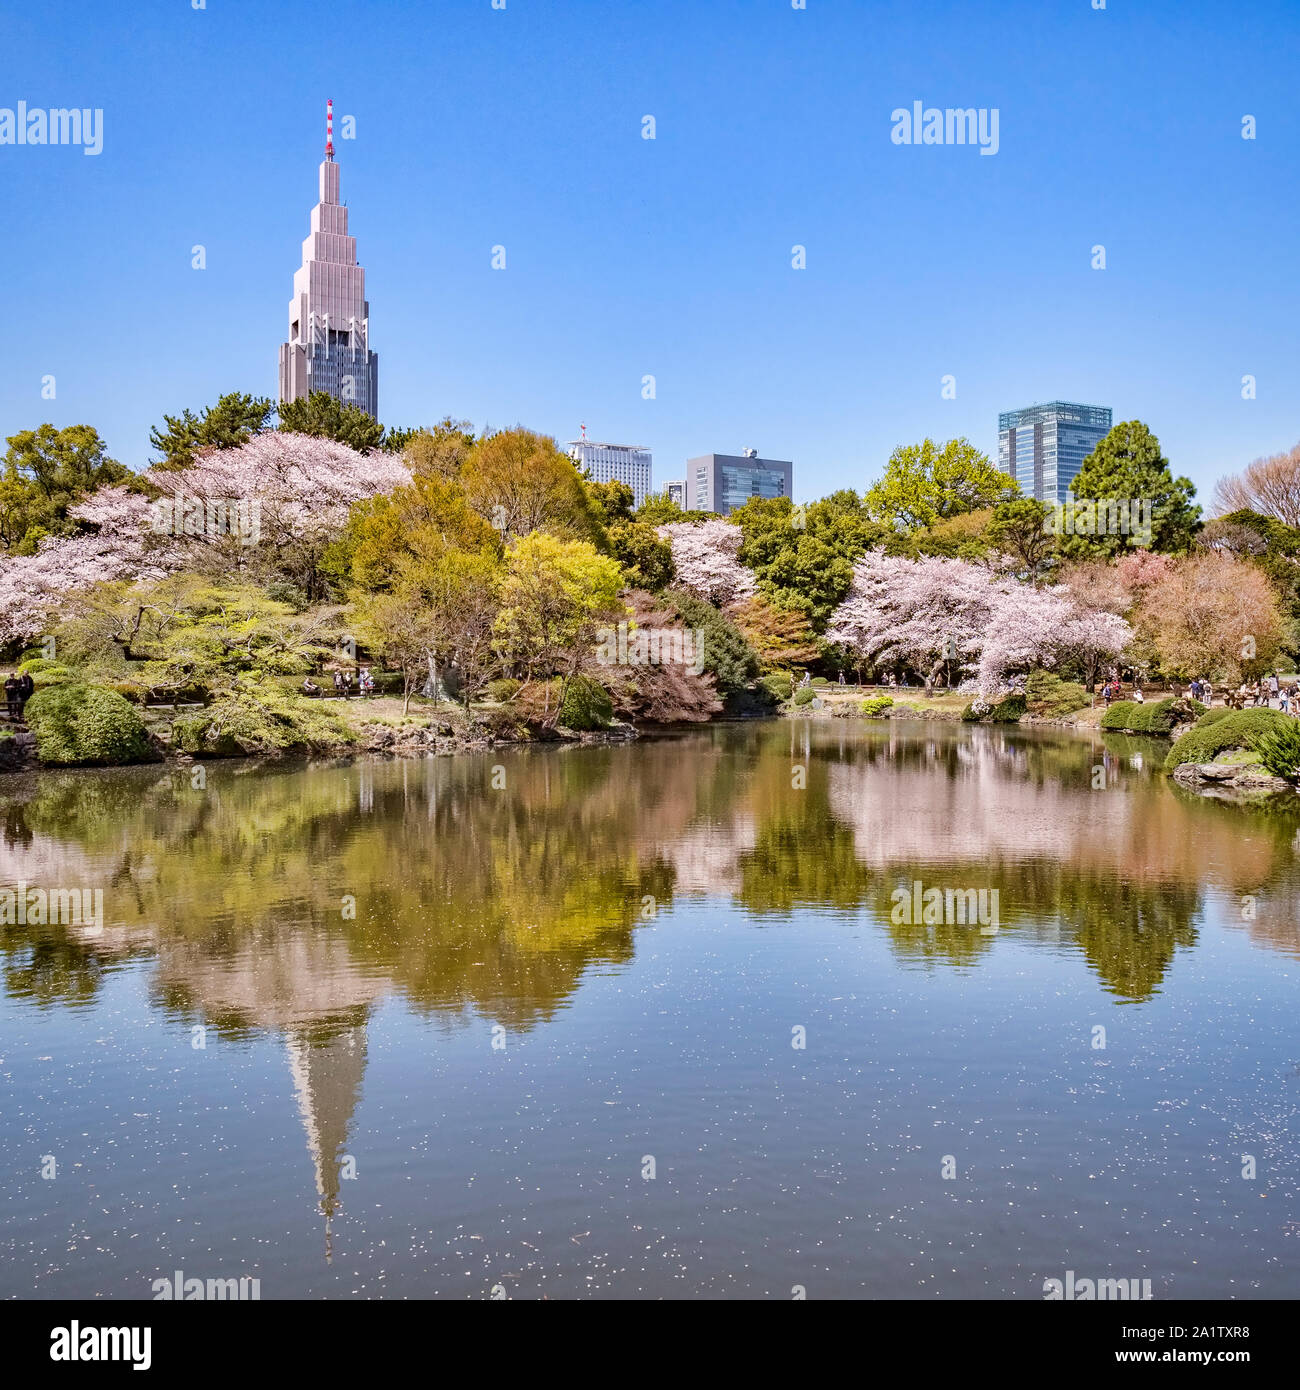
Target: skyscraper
[
  {"x": 614, "y": 463},
  {"x": 1044, "y": 446},
  {"x": 329, "y": 317},
  {"x": 721, "y": 482}
]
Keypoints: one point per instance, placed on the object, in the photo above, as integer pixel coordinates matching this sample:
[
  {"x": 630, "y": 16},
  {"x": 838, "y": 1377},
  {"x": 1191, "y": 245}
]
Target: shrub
[
  {"x": 1008, "y": 710},
  {"x": 1160, "y": 717},
  {"x": 779, "y": 685},
  {"x": 804, "y": 695},
  {"x": 87, "y": 726},
  {"x": 260, "y": 718},
  {"x": 45, "y": 672},
  {"x": 820, "y": 680},
  {"x": 1049, "y": 697},
  {"x": 1206, "y": 741},
  {"x": 877, "y": 704},
  {"x": 501, "y": 690},
  {"x": 587, "y": 705},
  {"x": 728, "y": 657},
  {"x": 1279, "y": 748}
]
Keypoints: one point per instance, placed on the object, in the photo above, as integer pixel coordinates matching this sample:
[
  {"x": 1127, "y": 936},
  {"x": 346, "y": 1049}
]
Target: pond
[{"x": 684, "y": 1018}]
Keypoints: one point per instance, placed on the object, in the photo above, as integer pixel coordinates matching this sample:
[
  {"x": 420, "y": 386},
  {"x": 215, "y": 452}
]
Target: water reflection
[{"x": 290, "y": 901}]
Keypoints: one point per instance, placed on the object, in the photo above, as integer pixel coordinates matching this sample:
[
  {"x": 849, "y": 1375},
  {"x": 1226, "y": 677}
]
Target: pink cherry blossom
[
  {"x": 705, "y": 556},
  {"x": 919, "y": 611}
]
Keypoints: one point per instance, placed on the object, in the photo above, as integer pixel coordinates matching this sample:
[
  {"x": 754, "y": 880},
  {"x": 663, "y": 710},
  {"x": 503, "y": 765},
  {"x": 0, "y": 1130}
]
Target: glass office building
[
  {"x": 722, "y": 482},
  {"x": 1044, "y": 446}
]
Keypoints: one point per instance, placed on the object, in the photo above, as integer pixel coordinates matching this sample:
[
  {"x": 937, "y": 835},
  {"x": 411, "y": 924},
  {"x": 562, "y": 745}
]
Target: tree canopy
[
  {"x": 1128, "y": 466},
  {"x": 925, "y": 482},
  {"x": 233, "y": 421}
]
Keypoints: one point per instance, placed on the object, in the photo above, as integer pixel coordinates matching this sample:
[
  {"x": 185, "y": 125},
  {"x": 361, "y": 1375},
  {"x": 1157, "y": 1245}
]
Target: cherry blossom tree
[
  {"x": 119, "y": 544},
  {"x": 289, "y": 496},
  {"x": 930, "y": 611},
  {"x": 302, "y": 486},
  {"x": 705, "y": 557},
  {"x": 1043, "y": 627},
  {"x": 919, "y": 612}
]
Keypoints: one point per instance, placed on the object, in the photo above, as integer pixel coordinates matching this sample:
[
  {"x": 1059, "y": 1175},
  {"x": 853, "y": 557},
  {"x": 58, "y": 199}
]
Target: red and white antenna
[
  {"x": 584, "y": 433},
  {"x": 329, "y": 129}
]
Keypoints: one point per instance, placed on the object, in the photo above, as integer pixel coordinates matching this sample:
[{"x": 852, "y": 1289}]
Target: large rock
[{"x": 1209, "y": 778}]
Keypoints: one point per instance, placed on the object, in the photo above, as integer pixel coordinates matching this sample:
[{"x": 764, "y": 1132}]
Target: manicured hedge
[
  {"x": 85, "y": 725},
  {"x": 587, "y": 705},
  {"x": 877, "y": 704},
  {"x": 1279, "y": 749},
  {"x": 1050, "y": 697},
  {"x": 1210, "y": 738},
  {"x": 804, "y": 695},
  {"x": 1009, "y": 710},
  {"x": 779, "y": 685},
  {"x": 1159, "y": 717}
]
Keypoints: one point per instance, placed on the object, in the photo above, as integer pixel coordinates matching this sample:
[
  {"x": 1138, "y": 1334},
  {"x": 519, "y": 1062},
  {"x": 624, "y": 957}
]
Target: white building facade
[{"x": 614, "y": 463}]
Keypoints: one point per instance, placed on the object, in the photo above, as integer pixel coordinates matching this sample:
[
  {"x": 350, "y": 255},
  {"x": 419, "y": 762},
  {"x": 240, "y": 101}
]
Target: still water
[{"x": 531, "y": 1021}]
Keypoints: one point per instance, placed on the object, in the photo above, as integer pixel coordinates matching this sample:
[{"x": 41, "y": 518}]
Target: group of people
[
  {"x": 1263, "y": 693},
  {"x": 18, "y": 690},
  {"x": 343, "y": 684},
  {"x": 1112, "y": 690},
  {"x": 1267, "y": 692}
]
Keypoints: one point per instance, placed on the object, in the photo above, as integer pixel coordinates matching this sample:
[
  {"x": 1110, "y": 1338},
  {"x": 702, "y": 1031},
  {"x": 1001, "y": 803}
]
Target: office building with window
[
  {"x": 614, "y": 463},
  {"x": 329, "y": 318},
  {"x": 675, "y": 491},
  {"x": 1044, "y": 446},
  {"x": 722, "y": 482}
]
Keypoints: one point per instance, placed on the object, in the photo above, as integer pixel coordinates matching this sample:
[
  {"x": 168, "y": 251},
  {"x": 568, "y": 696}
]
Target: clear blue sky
[{"x": 625, "y": 256}]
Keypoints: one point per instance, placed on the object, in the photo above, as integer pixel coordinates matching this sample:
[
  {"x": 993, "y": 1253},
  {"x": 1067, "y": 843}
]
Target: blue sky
[{"x": 672, "y": 257}]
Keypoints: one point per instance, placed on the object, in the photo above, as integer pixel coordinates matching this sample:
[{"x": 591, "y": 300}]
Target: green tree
[
  {"x": 421, "y": 520},
  {"x": 803, "y": 556},
  {"x": 659, "y": 510},
  {"x": 728, "y": 657},
  {"x": 521, "y": 482},
  {"x": 1019, "y": 529},
  {"x": 1128, "y": 466},
  {"x": 46, "y": 471},
  {"x": 233, "y": 421},
  {"x": 613, "y": 500},
  {"x": 556, "y": 595},
  {"x": 327, "y": 417},
  {"x": 928, "y": 481},
  {"x": 441, "y": 613},
  {"x": 440, "y": 450},
  {"x": 647, "y": 561}
]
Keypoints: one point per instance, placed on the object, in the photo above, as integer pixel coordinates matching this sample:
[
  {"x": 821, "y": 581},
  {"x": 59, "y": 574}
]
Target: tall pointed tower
[{"x": 329, "y": 317}]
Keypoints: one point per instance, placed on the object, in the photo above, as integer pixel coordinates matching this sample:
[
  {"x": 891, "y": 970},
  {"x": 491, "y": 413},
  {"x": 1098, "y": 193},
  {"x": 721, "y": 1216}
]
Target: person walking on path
[
  {"x": 26, "y": 688},
  {"x": 13, "y": 701}
]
